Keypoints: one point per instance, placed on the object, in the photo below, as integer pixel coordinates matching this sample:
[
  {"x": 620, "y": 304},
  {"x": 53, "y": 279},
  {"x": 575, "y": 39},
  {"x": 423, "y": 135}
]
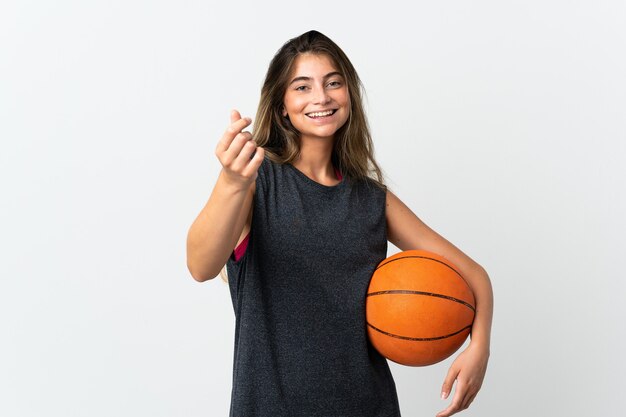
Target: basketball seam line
[
  {"x": 447, "y": 297},
  {"x": 420, "y": 257},
  {"x": 419, "y": 339}
]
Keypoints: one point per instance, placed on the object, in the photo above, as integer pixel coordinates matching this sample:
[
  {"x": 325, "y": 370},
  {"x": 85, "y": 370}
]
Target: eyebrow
[{"x": 330, "y": 74}]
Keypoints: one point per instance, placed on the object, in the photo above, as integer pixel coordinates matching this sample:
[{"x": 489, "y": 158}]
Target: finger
[
  {"x": 468, "y": 400},
  {"x": 446, "y": 388},
  {"x": 457, "y": 400},
  {"x": 234, "y": 115},
  {"x": 229, "y": 156},
  {"x": 243, "y": 156},
  {"x": 237, "y": 126},
  {"x": 231, "y": 132},
  {"x": 255, "y": 162},
  {"x": 249, "y": 161}
]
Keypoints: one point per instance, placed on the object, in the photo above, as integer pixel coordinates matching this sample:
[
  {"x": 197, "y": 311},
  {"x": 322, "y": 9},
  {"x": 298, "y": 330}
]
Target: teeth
[{"x": 321, "y": 114}]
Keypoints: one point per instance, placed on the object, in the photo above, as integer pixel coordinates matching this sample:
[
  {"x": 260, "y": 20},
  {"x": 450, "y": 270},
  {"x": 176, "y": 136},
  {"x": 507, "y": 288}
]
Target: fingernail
[
  {"x": 248, "y": 119},
  {"x": 443, "y": 395}
]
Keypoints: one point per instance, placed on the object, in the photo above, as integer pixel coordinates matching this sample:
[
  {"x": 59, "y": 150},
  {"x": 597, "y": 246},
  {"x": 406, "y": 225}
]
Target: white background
[{"x": 500, "y": 123}]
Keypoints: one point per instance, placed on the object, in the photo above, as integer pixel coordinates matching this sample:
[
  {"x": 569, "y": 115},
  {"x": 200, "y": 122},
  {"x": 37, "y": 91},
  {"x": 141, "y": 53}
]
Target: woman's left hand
[{"x": 468, "y": 369}]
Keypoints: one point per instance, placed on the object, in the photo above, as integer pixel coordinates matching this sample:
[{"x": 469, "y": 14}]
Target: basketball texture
[{"x": 419, "y": 309}]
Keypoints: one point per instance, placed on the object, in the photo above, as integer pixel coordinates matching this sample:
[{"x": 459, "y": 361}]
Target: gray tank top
[{"x": 298, "y": 292}]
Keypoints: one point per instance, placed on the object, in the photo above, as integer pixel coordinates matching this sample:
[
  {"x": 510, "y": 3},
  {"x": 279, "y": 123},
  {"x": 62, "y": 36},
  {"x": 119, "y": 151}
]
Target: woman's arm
[
  {"x": 217, "y": 229},
  {"x": 215, "y": 232},
  {"x": 406, "y": 231}
]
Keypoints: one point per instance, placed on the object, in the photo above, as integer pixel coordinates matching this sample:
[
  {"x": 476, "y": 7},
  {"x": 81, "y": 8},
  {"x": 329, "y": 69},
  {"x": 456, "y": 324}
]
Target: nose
[{"x": 320, "y": 95}]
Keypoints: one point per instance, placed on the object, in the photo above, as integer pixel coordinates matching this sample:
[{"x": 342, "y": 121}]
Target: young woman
[{"x": 303, "y": 204}]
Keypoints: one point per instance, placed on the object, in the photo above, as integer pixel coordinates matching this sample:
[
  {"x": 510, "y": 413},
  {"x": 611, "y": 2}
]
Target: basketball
[{"x": 419, "y": 309}]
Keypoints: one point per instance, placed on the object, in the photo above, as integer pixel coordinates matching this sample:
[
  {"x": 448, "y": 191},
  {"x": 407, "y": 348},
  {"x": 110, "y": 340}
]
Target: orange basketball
[{"x": 419, "y": 309}]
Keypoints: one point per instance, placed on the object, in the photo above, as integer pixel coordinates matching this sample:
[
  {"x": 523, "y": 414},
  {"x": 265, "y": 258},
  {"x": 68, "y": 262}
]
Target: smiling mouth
[{"x": 321, "y": 114}]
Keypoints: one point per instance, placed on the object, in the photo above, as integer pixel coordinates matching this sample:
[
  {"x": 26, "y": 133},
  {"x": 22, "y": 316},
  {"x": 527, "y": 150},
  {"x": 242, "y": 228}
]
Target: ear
[{"x": 283, "y": 111}]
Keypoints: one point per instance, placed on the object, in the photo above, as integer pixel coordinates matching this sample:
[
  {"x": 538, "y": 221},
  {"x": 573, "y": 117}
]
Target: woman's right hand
[{"x": 238, "y": 153}]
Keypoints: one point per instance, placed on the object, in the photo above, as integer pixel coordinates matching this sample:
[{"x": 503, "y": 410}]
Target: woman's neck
[{"x": 315, "y": 160}]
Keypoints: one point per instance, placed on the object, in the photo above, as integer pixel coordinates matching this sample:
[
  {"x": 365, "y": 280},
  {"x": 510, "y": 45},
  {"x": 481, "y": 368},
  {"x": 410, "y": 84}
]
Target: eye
[
  {"x": 334, "y": 84},
  {"x": 301, "y": 88}
]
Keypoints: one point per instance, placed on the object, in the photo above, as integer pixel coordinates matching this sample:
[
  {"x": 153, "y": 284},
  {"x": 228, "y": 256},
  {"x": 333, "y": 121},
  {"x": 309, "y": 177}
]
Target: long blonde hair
[{"x": 353, "y": 150}]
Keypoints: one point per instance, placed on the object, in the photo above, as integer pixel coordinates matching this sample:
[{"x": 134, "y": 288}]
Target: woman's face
[{"x": 317, "y": 99}]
